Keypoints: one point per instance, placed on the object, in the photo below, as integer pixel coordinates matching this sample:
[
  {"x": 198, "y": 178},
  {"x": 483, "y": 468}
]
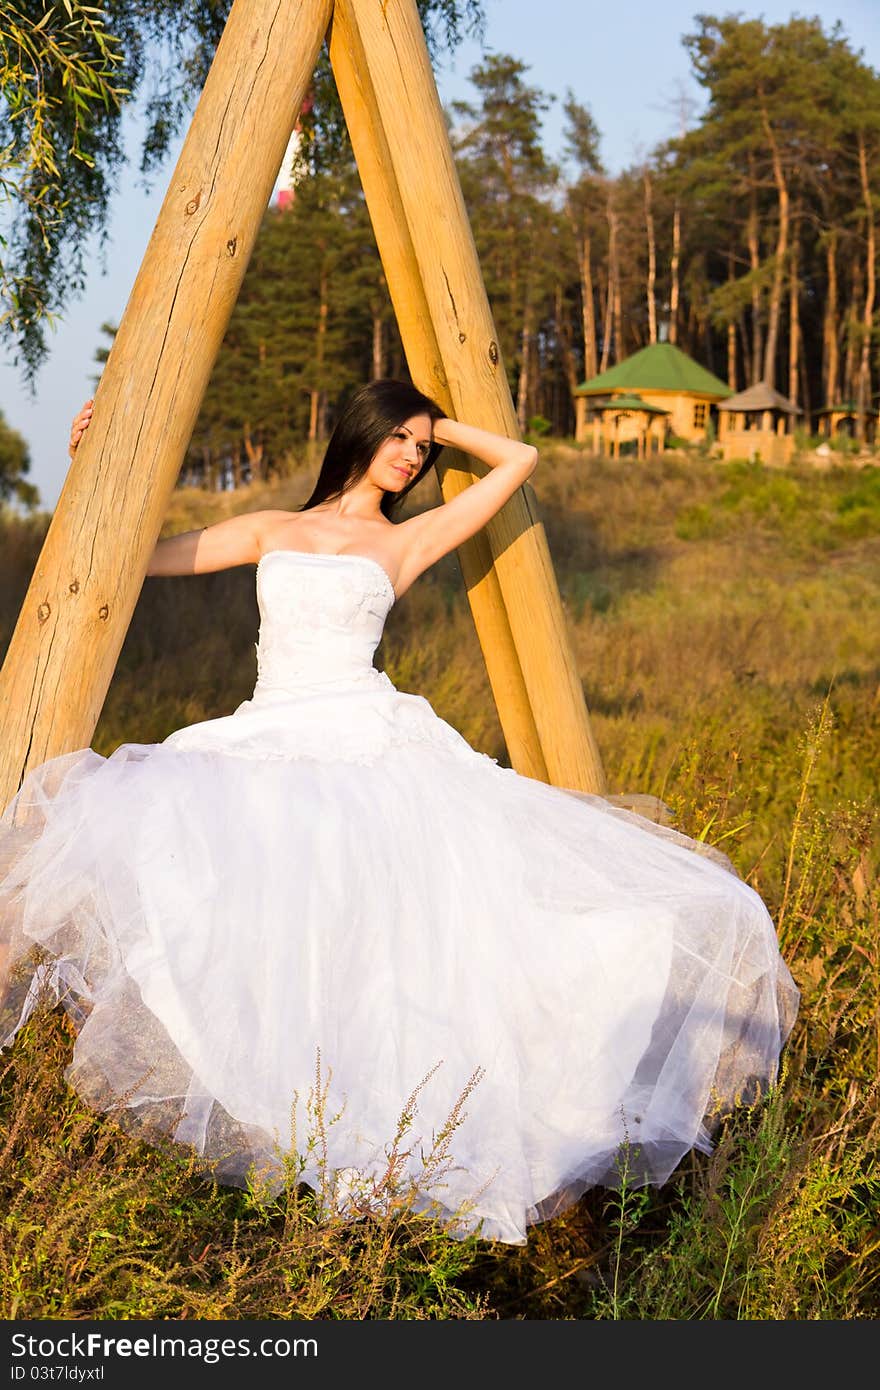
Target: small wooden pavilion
[
  {"x": 624, "y": 418},
  {"x": 675, "y": 393},
  {"x": 843, "y": 418},
  {"x": 758, "y": 423}
]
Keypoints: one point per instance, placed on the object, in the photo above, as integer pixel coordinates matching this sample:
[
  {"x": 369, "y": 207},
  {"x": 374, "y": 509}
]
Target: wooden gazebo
[
  {"x": 843, "y": 418},
  {"x": 624, "y": 419},
  {"x": 758, "y": 423},
  {"x": 667, "y": 384}
]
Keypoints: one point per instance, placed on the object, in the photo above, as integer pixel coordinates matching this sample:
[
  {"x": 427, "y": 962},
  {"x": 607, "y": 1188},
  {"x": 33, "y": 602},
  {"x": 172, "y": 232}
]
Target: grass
[{"x": 724, "y": 621}]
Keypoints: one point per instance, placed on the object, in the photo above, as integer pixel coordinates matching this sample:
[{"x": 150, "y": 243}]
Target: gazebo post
[{"x": 580, "y": 417}]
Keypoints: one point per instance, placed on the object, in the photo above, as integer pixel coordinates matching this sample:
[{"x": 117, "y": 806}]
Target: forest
[{"x": 749, "y": 240}]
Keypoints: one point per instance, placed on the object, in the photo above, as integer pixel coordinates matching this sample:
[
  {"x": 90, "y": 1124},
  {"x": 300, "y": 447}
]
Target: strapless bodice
[
  {"x": 321, "y": 619},
  {"x": 318, "y": 694}
]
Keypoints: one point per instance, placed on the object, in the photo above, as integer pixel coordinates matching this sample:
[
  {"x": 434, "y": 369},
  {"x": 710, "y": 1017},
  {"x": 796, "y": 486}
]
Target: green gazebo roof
[
  {"x": 627, "y": 402},
  {"x": 659, "y": 367}
]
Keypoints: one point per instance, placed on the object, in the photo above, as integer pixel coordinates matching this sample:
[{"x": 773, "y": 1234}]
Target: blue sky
[{"x": 625, "y": 62}]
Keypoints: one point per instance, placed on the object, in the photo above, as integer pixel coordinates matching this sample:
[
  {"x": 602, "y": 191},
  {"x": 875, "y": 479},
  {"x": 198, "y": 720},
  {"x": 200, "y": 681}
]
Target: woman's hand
[
  {"x": 491, "y": 449},
  {"x": 79, "y": 427},
  {"x": 433, "y": 533}
]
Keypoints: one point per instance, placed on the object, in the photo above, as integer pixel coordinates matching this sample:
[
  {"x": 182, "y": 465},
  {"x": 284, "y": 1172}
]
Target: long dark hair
[{"x": 372, "y": 414}]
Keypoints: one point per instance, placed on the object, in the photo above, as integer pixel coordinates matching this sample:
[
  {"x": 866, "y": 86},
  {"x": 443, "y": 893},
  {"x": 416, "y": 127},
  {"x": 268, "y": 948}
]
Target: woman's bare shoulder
[
  {"x": 270, "y": 514},
  {"x": 267, "y": 520}
]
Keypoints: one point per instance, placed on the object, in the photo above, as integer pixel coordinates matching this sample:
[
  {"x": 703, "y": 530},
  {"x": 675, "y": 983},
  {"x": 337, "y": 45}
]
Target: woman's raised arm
[
  {"x": 432, "y": 534},
  {"x": 234, "y": 541}
]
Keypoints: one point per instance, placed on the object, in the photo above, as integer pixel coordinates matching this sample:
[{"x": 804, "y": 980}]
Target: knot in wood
[
  {"x": 73, "y": 587},
  {"x": 462, "y": 337},
  {"x": 104, "y": 612},
  {"x": 493, "y": 353},
  {"x": 232, "y": 246},
  {"x": 193, "y": 204},
  {"x": 43, "y": 612}
]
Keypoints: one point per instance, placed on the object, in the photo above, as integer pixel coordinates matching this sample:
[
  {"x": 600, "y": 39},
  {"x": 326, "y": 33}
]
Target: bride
[{"x": 495, "y": 993}]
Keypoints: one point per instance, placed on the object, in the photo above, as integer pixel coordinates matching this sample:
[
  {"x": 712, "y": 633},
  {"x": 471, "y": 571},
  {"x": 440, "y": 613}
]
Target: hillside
[{"x": 724, "y": 620}]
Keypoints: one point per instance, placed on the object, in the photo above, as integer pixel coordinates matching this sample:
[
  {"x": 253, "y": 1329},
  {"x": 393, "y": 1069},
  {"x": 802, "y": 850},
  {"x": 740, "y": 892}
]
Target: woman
[{"x": 495, "y": 993}]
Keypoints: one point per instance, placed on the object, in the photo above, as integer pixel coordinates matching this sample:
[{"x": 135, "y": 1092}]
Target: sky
[{"x": 626, "y": 63}]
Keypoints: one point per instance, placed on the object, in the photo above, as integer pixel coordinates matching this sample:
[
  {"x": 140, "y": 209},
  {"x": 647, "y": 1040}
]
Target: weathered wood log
[
  {"x": 411, "y": 310},
  {"x": 92, "y": 564},
  {"x": 401, "y": 143}
]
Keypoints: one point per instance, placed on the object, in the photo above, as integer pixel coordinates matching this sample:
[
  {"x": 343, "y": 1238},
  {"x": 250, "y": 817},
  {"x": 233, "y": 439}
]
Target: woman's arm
[
  {"x": 432, "y": 534},
  {"x": 235, "y": 541}
]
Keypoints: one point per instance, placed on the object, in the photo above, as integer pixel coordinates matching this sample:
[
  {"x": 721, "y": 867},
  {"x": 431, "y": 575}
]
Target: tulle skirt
[{"x": 503, "y": 991}]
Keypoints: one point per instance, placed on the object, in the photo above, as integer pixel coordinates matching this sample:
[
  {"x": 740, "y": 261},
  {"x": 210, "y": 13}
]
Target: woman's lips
[{"x": 404, "y": 471}]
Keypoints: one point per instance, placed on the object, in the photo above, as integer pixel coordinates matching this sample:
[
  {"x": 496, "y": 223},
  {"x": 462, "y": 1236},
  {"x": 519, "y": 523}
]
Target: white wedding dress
[{"x": 332, "y": 879}]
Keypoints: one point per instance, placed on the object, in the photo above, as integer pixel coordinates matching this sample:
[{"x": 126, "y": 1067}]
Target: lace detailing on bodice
[
  {"x": 321, "y": 619},
  {"x": 318, "y": 694}
]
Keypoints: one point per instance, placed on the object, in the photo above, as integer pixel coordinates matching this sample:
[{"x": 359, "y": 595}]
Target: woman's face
[{"x": 399, "y": 457}]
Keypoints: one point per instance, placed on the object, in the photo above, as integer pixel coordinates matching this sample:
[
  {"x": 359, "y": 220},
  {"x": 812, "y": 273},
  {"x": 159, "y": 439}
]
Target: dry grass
[{"x": 724, "y": 621}]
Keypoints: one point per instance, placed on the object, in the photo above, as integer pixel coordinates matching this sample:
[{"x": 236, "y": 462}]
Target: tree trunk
[
  {"x": 830, "y": 327},
  {"x": 652, "y": 261},
  {"x": 522, "y": 394},
  {"x": 589, "y": 312},
  {"x": 525, "y": 364},
  {"x": 753, "y": 237},
  {"x": 617, "y": 317},
  {"x": 863, "y": 392},
  {"x": 378, "y": 362},
  {"x": 606, "y": 323},
  {"x": 316, "y": 409},
  {"x": 92, "y": 564},
  {"x": 746, "y": 344},
  {"x": 563, "y": 338},
  {"x": 806, "y": 401},
  {"x": 731, "y": 355},
  {"x": 731, "y": 334},
  {"x": 853, "y": 333},
  {"x": 775, "y": 310},
  {"x": 254, "y": 455},
  {"x": 793, "y": 323},
  {"x": 608, "y": 316},
  {"x": 674, "y": 291}
]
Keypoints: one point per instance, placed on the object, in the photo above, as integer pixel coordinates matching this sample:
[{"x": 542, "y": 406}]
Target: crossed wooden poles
[{"x": 92, "y": 564}]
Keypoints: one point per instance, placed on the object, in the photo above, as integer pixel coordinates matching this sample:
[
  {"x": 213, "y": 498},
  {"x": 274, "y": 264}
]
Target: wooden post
[
  {"x": 91, "y": 568},
  {"x": 411, "y": 310},
  {"x": 580, "y": 419},
  {"x": 395, "y": 117}
]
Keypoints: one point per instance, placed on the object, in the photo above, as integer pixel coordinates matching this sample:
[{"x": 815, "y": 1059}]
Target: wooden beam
[
  {"x": 376, "y": 171},
  {"x": 92, "y": 564},
  {"x": 393, "y": 109}
]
